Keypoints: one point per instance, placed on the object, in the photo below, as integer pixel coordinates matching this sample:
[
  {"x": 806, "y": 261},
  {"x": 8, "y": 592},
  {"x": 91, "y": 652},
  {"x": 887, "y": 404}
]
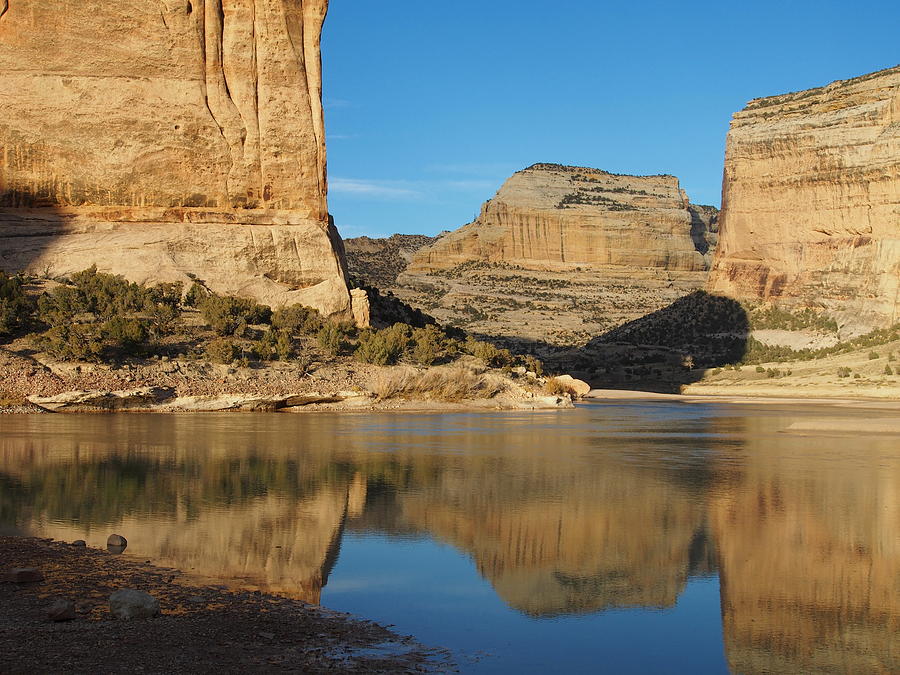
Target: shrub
[
  {"x": 760, "y": 369},
  {"x": 15, "y": 306},
  {"x": 298, "y": 319},
  {"x": 127, "y": 334},
  {"x": 109, "y": 295},
  {"x": 274, "y": 345},
  {"x": 331, "y": 338},
  {"x": 427, "y": 345},
  {"x": 230, "y": 315},
  {"x": 873, "y": 356},
  {"x": 888, "y": 370},
  {"x": 843, "y": 371},
  {"x": 76, "y": 342},
  {"x": 196, "y": 295},
  {"x": 491, "y": 355},
  {"x": 221, "y": 350},
  {"x": 383, "y": 347}
]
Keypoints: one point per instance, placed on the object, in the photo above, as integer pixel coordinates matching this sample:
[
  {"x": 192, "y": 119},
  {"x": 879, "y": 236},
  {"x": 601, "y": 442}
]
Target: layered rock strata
[
  {"x": 168, "y": 138},
  {"x": 562, "y": 254},
  {"x": 551, "y": 214},
  {"x": 811, "y": 201}
]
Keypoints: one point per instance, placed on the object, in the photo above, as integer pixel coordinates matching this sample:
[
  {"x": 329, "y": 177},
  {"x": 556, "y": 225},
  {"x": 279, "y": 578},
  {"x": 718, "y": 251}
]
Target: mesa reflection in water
[{"x": 564, "y": 513}]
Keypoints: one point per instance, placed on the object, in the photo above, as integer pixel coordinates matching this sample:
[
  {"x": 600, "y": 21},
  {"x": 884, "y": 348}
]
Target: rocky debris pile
[{"x": 191, "y": 624}]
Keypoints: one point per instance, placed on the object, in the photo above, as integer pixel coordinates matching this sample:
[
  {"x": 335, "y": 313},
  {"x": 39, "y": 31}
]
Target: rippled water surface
[{"x": 640, "y": 537}]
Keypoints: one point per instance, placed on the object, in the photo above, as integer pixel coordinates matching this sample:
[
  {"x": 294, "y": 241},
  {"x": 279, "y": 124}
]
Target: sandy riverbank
[{"x": 201, "y": 628}]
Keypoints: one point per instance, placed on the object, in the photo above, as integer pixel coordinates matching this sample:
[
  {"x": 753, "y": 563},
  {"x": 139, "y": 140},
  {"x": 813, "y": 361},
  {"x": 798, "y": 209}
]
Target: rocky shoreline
[
  {"x": 200, "y": 628},
  {"x": 30, "y": 386}
]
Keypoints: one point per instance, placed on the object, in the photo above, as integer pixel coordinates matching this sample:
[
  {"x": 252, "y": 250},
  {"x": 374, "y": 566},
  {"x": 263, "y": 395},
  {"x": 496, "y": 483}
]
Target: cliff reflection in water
[{"x": 802, "y": 531}]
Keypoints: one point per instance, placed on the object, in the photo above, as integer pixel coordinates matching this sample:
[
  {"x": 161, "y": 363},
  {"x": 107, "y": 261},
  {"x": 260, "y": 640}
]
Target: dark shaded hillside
[{"x": 378, "y": 262}]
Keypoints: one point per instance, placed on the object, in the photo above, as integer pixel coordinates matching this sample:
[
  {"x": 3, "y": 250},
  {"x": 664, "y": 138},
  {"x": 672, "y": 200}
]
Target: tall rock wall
[
  {"x": 811, "y": 201},
  {"x": 549, "y": 214},
  {"x": 157, "y": 138}
]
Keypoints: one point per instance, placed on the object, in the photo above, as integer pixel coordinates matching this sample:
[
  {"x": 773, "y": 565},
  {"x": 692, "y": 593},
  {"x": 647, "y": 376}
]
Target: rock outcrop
[
  {"x": 168, "y": 138},
  {"x": 811, "y": 201},
  {"x": 551, "y": 214}
]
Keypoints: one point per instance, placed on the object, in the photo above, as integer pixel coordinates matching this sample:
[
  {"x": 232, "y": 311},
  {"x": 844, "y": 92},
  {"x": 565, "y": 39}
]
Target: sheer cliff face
[
  {"x": 550, "y": 214},
  {"x": 169, "y": 136},
  {"x": 811, "y": 201}
]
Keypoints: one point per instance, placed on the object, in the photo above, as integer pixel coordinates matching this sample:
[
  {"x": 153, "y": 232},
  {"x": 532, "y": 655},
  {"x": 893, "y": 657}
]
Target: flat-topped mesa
[
  {"x": 811, "y": 201},
  {"x": 549, "y": 214},
  {"x": 169, "y": 137}
]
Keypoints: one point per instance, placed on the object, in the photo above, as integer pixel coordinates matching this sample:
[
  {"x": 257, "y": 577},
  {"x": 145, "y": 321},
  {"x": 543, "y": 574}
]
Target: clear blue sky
[{"x": 431, "y": 105}]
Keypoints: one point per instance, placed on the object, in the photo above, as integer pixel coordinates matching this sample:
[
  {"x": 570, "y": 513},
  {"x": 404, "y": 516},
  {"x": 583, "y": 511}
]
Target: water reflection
[{"x": 563, "y": 514}]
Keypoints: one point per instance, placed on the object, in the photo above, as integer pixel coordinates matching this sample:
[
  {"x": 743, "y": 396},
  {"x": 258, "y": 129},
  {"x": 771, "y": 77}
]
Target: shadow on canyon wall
[
  {"x": 661, "y": 352},
  {"x": 28, "y": 228}
]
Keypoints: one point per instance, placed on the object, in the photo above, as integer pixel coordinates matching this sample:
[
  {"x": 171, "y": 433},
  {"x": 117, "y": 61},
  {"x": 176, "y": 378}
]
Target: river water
[{"x": 626, "y": 538}]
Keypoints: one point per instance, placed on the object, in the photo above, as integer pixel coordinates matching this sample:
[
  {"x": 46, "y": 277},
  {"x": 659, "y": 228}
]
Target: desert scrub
[
  {"x": 331, "y": 338},
  {"x": 230, "y": 315},
  {"x": 298, "y": 320},
  {"x": 274, "y": 345},
  {"x": 222, "y": 350},
  {"x": 491, "y": 355},
  {"x": 427, "y": 345},
  {"x": 443, "y": 383},
  {"x": 15, "y": 306},
  {"x": 383, "y": 347},
  {"x": 554, "y": 387}
]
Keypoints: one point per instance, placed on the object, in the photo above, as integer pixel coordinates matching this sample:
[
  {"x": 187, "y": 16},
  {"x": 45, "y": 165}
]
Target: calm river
[{"x": 625, "y": 538}]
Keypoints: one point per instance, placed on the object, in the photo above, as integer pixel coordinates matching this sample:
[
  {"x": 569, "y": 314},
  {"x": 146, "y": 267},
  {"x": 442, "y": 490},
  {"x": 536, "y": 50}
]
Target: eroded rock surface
[
  {"x": 550, "y": 213},
  {"x": 169, "y": 137},
  {"x": 811, "y": 201}
]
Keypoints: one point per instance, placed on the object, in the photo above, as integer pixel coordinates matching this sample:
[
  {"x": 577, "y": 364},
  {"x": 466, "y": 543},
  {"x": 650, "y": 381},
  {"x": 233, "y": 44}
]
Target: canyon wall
[
  {"x": 811, "y": 201},
  {"x": 164, "y": 138},
  {"x": 550, "y": 214}
]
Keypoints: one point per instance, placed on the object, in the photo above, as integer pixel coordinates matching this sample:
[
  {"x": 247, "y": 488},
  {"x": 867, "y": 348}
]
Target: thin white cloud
[
  {"x": 342, "y": 137},
  {"x": 375, "y": 189},
  {"x": 337, "y": 103}
]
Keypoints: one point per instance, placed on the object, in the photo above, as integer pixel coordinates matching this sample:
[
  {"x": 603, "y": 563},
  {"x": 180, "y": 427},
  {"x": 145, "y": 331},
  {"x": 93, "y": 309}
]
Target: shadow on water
[{"x": 660, "y": 352}]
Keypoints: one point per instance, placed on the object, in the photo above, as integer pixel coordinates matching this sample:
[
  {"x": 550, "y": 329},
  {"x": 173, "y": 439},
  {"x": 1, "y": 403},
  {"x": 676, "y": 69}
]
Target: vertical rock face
[
  {"x": 550, "y": 214},
  {"x": 811, "y": 201},
  {"x": 163, "y": 137}
]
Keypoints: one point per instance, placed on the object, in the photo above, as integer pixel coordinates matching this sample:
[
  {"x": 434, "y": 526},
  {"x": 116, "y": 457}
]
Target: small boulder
[
  {"x": 25, "y": 575},
  {"x": 578, "y": 387},
  {"x": 116, "y": 540},
  {"x": 79, "y": 542},
  {"x": 128, "y": 603},
  {"x": 61, "y": 610}
]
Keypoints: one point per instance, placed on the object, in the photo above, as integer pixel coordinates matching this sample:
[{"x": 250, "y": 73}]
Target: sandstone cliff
[
  {"x": 168, "y": 137},
  {"x": 550, "y": 214},
  {"x": 811, "y": 201}
]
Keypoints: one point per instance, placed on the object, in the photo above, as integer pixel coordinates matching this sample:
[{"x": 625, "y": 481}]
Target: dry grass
[
  {"x": 444, "y": 383},
  {"x": 554, "y": 387}
]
